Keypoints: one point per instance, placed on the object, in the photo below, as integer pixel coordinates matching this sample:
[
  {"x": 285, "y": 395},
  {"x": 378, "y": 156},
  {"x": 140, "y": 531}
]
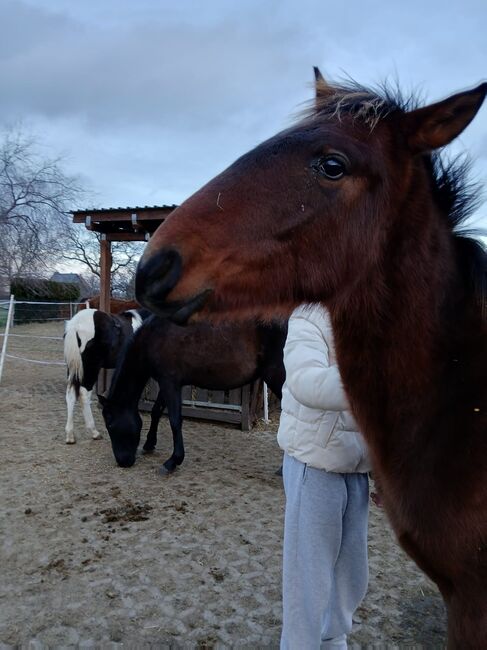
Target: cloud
[
  {"x": 142, "y": 73},
  {"x": 152, "y": 98}
]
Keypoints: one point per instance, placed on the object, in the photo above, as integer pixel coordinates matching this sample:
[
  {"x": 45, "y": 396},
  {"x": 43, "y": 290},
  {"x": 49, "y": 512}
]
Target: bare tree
[
  {"x": 36, "y": 199},
  {"x": 33, "y": 189},
  {"x": 25, "y": 251},
  {"x": 83, "y": 247},
  {"x": 35, "y": 195}
]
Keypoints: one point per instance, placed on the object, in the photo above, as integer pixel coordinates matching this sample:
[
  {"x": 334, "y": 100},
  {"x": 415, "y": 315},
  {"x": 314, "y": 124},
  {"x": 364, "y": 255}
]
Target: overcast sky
[{"x": 149, "y": 99}]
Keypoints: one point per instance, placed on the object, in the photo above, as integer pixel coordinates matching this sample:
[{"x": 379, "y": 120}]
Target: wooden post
[
  {"x": 105, "y": 268},
  {"x": 266, "y": 404},
  {"x": 245, "y": 424},
  {"x": 105, "y": 289}
]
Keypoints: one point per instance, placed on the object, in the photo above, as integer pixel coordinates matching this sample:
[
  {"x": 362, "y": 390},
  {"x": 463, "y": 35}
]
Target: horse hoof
[
  {"x": 97, "y": 436},
  {"x": 147, "y": 451},
  {"x": 164, "y": 471},
  {"x": 71, "y": 442}
]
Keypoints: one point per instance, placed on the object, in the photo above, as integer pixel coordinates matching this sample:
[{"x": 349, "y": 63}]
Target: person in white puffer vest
[{"x": 325, "y": 568}]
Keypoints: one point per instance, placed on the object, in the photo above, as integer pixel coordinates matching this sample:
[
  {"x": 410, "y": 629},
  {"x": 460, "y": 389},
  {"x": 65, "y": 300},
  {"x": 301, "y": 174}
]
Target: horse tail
[{"x": 79, "y": 330}]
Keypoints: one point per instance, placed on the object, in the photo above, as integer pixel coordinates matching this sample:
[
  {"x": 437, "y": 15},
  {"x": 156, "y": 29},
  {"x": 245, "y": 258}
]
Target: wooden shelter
[
  {"x": 138, "y": 224},
  {"x": 119, "y": 224}
]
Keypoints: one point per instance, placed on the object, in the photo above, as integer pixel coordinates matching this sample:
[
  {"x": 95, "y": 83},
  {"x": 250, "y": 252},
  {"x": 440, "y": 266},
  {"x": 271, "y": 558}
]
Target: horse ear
[
  {"x": 436, "y": 125},
  {"x": 322, "y": 88}
]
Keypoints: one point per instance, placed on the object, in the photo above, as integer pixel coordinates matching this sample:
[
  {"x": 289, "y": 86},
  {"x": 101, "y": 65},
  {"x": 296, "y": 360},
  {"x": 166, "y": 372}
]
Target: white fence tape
[
  {"x": 34, "y": 336},
  {"x": 43, "y": 363},
  {"x": 37, "y": 302},
  {"x": 4, "y": 336}
]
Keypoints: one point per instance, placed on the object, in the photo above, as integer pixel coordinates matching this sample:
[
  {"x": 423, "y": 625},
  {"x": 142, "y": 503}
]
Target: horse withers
[
  {"x": 353, "y": 208},
  {"x": 93, "y": 340},
  {"x": 221, "y": 357}
]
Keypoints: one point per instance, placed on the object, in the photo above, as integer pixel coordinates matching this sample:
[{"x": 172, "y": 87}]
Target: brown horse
[
  {"x": 352, "y": 207},
  {"x": 117, "y": 305}
]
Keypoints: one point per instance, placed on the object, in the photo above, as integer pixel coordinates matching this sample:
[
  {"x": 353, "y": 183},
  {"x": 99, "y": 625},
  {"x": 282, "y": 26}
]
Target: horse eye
[{"x": 332, "y": 167}]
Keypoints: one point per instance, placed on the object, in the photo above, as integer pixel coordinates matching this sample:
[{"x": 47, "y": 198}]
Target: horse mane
[
  {"x": 456, "y": 196},
  {"x": 127, "y": 347}
]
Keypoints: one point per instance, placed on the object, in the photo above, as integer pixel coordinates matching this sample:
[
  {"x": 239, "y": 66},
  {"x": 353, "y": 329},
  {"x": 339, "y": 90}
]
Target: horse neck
[
  {"x": 131, "y": 375},
  {"x": 390, "y": 332}
]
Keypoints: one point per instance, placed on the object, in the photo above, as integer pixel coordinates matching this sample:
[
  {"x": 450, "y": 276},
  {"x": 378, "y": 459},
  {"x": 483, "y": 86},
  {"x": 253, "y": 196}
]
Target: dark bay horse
[
  {"x": 93, "y": 340},
  {"x": 354, "y": 208},
  {"x": 200, "y": 354}
]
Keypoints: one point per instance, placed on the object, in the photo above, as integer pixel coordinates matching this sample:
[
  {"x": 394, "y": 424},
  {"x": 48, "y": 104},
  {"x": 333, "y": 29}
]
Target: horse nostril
[{"x": 156, "y": 276}]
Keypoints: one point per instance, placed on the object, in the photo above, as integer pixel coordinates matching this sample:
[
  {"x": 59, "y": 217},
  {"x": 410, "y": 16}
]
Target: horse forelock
[{"x": 367, "y": 106}]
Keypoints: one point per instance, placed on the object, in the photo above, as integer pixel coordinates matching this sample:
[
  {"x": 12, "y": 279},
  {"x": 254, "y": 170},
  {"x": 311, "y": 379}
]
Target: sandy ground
[{"x": 96, "y": 556}]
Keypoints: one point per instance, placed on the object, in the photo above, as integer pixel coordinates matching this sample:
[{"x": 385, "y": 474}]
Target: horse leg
[
  {"x": 70, "y": 402},
  {"x": 174, "y": 408},
  {"x": 85, "y": 396},
  {"x": 155, "y": 416}
]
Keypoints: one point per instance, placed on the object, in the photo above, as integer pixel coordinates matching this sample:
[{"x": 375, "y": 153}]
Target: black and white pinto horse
[{"x": 93, "y": 340}]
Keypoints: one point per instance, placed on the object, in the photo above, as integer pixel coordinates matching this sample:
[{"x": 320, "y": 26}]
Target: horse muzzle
[
  {"x": 125, "y": 460},
  {"x": 156, "y": 277}
]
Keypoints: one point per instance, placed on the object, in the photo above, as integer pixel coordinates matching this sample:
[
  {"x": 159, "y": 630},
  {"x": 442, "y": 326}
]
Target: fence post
[
  {"x": 266, "y": 403},
  {"x": 5, "y": 337}
]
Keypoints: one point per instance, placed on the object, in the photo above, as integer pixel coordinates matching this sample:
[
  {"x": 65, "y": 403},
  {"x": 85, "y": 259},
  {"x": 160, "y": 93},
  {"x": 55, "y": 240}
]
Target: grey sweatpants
[{"x": 325, "y": 569}]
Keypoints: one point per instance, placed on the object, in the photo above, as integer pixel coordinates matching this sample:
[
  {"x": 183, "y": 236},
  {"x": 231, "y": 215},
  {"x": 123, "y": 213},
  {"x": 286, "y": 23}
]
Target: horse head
[
  {"x": 124, "y": 425},
  {"x": 310, "y": 214}
]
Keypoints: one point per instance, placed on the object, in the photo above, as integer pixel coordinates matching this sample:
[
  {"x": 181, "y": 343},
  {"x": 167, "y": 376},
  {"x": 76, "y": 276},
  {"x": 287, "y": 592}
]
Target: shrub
[{"x": 43, "y": 291}]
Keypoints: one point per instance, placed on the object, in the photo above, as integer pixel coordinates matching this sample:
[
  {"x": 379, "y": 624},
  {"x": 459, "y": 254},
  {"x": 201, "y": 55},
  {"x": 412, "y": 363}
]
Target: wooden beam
[
  {"x": 123, "y": 215},
  {"x": 105, "y": 278},
  {"x": 128, "y": 236},
  {"x": 216, "y": 415}
]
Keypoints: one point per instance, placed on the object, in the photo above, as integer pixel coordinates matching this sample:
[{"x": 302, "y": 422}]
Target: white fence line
[
  {"x": 38, "y": 302},
  {"x": 10, "y": 304},
  {"x": 47, "y": 320},
  {"x": 43, "y": 363},
  {"x": 34, "y": 336},
  {"x": 44, "y": 304}
]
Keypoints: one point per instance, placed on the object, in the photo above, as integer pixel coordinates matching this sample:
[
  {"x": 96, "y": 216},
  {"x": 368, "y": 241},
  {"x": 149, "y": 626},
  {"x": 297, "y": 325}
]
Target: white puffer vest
[{"x": 316, "y": 425}]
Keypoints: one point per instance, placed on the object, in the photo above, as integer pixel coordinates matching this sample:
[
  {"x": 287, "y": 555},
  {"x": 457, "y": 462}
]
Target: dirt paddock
[{"x": 97, "y": 556}]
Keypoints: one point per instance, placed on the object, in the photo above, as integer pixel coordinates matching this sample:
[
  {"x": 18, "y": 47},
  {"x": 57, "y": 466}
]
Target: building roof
[
  {"x": 57, "y": 276},
  {"x": 70, "y": 278},
  {"x": 122, "y": 224}
]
